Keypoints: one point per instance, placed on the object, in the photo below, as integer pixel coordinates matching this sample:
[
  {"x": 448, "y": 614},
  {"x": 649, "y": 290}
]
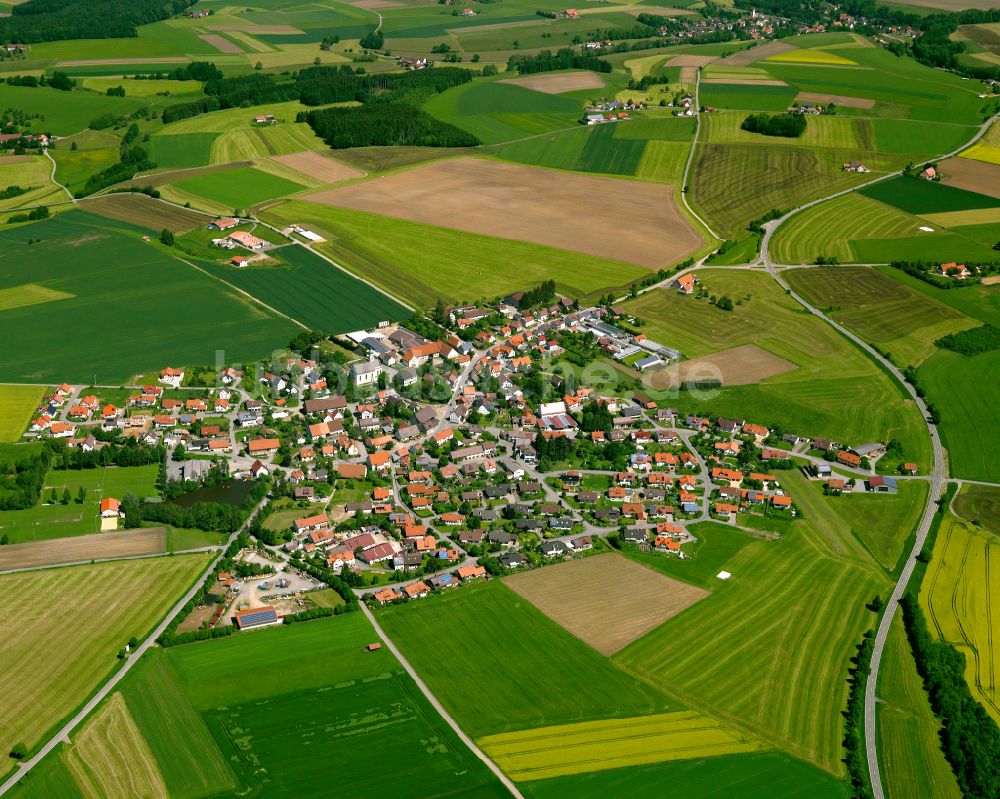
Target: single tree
[{"x": 167, "y": 237}]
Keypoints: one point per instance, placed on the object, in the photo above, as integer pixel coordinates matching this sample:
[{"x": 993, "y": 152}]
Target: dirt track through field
[
  {"x": 624, "y": 220},
  {"x": 753, "y": 54},
  {"x": 147, "y": 541},
  {"x": 220, "y": 43},
  {"x": 314, "y": 165},
  {"x": 739, "y": 366},
  {"x": 977, "y": 176},
  {"x": 839, "y": 99},
  {"x": 558, "y": 83},
  {"x": 607, "y": 601}
]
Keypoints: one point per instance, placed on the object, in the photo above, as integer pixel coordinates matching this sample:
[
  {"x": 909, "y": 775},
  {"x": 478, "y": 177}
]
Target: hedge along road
[
  {"x": 937, "y": 474},
  {"x": 133, "y": 658}
]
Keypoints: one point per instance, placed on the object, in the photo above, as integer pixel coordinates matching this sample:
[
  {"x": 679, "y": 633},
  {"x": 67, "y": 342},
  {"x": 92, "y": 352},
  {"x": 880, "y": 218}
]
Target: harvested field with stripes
[
  {"x": 318, "y": 167},
  {"x": 961, "y": 596},
  {"x": 97, "y": 546},
  {"x": 85, "y": 614},
  {"x": 615, "y": 743},
  {"x": 631, "y": 601},
  {"x": 559, "y": 82},
  {"x": 978, "y": 176},
  {"x": 144, "y": 211},
  {"x": 839, "y": 99}
]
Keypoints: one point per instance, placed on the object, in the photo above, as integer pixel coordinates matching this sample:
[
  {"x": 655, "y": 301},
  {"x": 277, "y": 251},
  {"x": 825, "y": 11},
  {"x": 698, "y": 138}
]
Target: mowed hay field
[
  {"x": 635, "y": 222},
  {"x": 908, "y": 730},
  {"x": 821, "y": 230},
  {"x": 86, "y": 614},
  {"x": 880, "y": 309},
  {"x": 961, "y": 597},
  {"x": 615, "y": 743},
  {"x": 735, "y": 183},
  {"x": 421, "y": 263},
  {"x": 17, "y": 405},
  {"x": 502, "y": 636},
  {"x": 834, "y": 391},
  {"x": 631, "y": 600},
  {"x": 97, "y": 546},
  {"x": 767, "y": 651}
]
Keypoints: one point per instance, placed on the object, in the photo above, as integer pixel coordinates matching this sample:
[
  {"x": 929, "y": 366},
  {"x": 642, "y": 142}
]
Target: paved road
[
  {"x": 439, "y": 707},
  {"x": 691, "y": 152},
  {"x": 133, "y": 658}
]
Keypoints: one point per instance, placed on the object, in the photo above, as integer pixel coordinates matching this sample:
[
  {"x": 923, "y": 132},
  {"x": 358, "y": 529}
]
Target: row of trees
[{"x": 55, "y": 20}]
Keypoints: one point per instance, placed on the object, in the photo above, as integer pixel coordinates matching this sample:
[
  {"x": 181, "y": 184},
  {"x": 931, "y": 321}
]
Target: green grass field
[
  {"x": 836, "y": 132},
  {"x": 95, "y": 150},
  {"x": 238, "y": 188},
  {"x": 200, "y": 737},
  {"x": 183, "y": 150},
  {"x": 755, "y": 776},
  {"x": 313, "y": 291},
  {"x": 17, "y": 405},
  {"x": 86, "y": 613},
  {"x": 835, "y": 391},
  {"x": 499, "y": 112},
  {"x": 980, "y": 505},
  {"x": 735, "y": 183},
  {"x": 716, "y": 546},
  {"x": 765, "y": 651},
  {"x": 500, "y": 677},
  {"x": 421, "y": 263},
  {"x": 33, "y": 175},
  {"x": 145, "y": 87},
  {"x": 916, "y": 196},
  {"x": 56, "y": 520},
  {"x": 821, "y": 230},
  {"x": 881, "y": 310},
  {"x": 63, "y": 113},
  {"x": 959, "y": 386},
  {"x": 747, "y": 97},
  {"x": 97, "y": 260},
  {"x": 910, "y": 750},
  {"x": 957, "y": 594}
]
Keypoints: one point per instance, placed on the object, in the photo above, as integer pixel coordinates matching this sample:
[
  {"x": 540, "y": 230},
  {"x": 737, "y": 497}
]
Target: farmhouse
[
  {"x": 109, "y": 508},
  {"x": 929, "y": 173},
  {"x": 685, "y": 283},
  {"x": 247, "y": 240},
  {"x": 223, "y": 224}
]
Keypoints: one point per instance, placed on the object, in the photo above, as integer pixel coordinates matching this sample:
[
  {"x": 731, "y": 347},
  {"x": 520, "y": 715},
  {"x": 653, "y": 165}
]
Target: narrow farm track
[
  {"x": 690, "y": 158},
  {"x": 937, "y": 474}
]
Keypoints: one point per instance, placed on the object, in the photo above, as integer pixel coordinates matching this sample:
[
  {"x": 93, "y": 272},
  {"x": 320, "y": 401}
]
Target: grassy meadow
[
  {"x": 17, "y": 406},
  {"x": 94, "y": 261},
  {"x": 238, "y": 188},
  {"x": 980, "y": 505},
  {"x": 504, "y": 636},
  {"x": 87, "y": 613}
]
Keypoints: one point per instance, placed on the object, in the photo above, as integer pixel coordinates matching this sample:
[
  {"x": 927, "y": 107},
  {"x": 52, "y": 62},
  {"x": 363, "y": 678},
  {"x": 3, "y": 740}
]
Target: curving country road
[{"x": 937, "y": 474}]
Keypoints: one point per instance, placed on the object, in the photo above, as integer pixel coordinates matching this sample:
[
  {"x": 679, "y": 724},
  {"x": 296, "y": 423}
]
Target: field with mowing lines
[
  {"x": 881, "y": 310},
  {"x": 908, "y": 743},
  {"x": 835, "y": 389},
  {"x": 981, "y": 505},
  {"x": 636, "y": 222},
  {"x": 765, "y": 651},
  {"x": 961, "y": 388},
  {"x": 775, "y": 176},
  {"x": 763, "y": 775},
  {"x": 503, "y": 634},
  {"x": 86, "y": 613},
  {"x": 139, "y": 209},
  {"x": 96, "y": 259},
  {"x": 238, "y": 188},
  {"x": 17, "y": 405},
  {"x": 838, "y": 132},
  {"x": 616, "y": 743},
  {"x": 632, "y": 602},
  {"x": 959, "y": 595},
  {"x": 820, "y": 230},
  {"x": 417, "y": 262},
  {"x": 107, "y": 741},
  {"x": 313, "y": 291},
  {"x": 916, "y": 196}
]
